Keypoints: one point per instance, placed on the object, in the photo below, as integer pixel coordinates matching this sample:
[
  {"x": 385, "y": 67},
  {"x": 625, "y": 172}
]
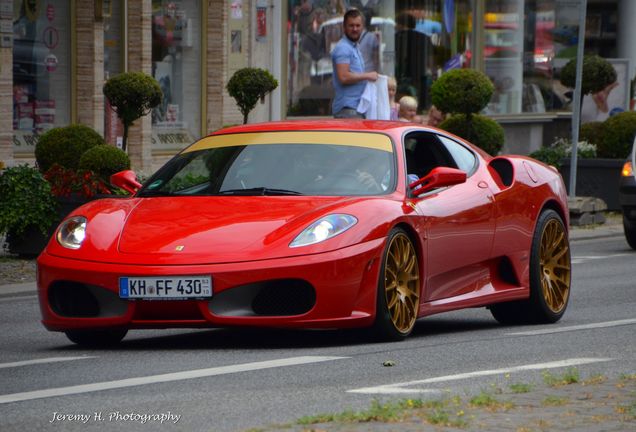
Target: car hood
[{"x": 206, "y": 229}]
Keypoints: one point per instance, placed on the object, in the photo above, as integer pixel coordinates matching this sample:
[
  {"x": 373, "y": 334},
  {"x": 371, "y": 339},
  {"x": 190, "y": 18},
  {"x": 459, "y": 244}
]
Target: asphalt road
[{"x": 230, "y": 380}]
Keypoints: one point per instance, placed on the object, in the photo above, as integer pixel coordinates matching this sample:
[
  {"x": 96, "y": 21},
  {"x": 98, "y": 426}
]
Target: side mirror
[
  {"x": 438, "y": 177},
  {"x": 126, "y": 180}
]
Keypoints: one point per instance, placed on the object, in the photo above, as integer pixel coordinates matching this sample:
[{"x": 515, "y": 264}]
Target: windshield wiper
[{"x": 259, "y": 191}]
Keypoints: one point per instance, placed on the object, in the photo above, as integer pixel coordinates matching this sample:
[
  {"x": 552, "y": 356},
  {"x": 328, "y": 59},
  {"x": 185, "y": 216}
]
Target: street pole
[{"x": 576, "y": 107}]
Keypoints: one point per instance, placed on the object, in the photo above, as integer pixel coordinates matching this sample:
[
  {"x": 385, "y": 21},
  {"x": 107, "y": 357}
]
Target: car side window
[
  {"x": 464, "y": 158},
  {"x": 423, "y": 152}
]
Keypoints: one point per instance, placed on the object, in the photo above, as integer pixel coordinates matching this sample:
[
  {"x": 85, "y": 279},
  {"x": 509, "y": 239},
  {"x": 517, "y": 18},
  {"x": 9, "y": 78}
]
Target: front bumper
[{"x": 329, "y": 290}]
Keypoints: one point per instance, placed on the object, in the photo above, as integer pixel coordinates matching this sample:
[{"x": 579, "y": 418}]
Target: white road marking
[
  {"x": 41, "y": 361},
  {"x": 574, "y": 328},
  {"x": 401, "y": 387},
  {"x": 153, "y": 379},
  {"x": 583, "y": 259}
]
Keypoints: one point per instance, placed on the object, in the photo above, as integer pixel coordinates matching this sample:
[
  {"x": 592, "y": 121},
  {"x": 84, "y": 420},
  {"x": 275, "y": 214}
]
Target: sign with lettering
[
  {"x": 24, "y": 142},
  {"x": 171, "y": 139}
]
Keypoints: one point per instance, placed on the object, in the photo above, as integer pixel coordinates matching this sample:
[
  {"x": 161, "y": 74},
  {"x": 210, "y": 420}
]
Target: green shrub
[
  {"x": 617, "y": 135},
  {"x": 560, "y": 149},
  {"x": 479, "y": 130},
  {"x": 549, "y": 155},
  {"x": 463, "y": 91},
  {"x": 597, "y": 74},
  {"x": 25, "y": 200},
  {"x": 64, "y": 146},
  {"x": 592, "y": 132},
  {"x": 132, "y": 95},
  {"x": 248, "y": 85},
  {"x": 105, "y": 161}
]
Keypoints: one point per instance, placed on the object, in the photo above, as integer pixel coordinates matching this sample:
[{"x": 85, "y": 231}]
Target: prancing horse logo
[{"x": 179, "y": 248}]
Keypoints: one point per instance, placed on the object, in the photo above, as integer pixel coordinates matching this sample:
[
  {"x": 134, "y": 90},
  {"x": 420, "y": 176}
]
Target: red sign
[
  {"x": 50, "y": 12},
  {"x": 261, "y": 22},
  {"x": 51, "y": 62},
  {"x": 50, "y": 37}
]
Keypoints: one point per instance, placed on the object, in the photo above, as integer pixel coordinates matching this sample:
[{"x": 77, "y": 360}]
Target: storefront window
[
  {"x": 413, "y": 40},
  {"x": 41, "y": 69},
  {"x": 526, "y": 80},
  {"x": 113, "y": 42},
  {"x": 113, "y": 64},
  {"x": 176, "y": 65}
]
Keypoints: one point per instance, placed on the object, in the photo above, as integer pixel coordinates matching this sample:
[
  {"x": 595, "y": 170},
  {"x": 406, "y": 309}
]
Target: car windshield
[{"x": 276, "y": 169}]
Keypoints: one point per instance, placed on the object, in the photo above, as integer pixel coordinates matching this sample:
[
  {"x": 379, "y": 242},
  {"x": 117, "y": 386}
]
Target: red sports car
[{"x": 313, "y": 224}]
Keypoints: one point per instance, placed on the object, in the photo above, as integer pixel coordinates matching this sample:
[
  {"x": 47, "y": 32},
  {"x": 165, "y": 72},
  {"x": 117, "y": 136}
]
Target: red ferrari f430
[{"x": 313, "y": 224}]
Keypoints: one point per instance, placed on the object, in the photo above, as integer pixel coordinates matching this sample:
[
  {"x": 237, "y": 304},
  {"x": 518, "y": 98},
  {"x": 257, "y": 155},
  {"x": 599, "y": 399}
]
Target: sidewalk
[{"x": 17, "y": 276}]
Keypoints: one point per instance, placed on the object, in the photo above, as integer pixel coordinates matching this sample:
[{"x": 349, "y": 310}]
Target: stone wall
[
  {"x": 140, "y": 60},
  {"x": 90, "y": 68},
  {"x": 6, "y": 105}
]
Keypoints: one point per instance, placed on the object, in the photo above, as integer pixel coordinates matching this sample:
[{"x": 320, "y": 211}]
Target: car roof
[{"x": 351, "y": 125}]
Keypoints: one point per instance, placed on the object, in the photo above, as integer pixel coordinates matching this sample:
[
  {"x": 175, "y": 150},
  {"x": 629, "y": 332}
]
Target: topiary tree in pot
[
  {"x": 597, "y": 74},
  {"x": 132, "y": 95},
  {"x": 463, "y": 93},
  {"x": 105, "y": 161},
  {"x": 592, "y": 132},
  {"x": 480, "y": 130},
  {"x": 617, "y": 135},
  {"x": 64, "y": 146},
  {"x": 248, "y": 85}
]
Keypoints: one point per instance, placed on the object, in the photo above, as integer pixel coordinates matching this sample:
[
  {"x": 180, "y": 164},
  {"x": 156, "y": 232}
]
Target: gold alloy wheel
[
  {"x": 555, "y": 266},
  {"x": 402, "y": 283}
]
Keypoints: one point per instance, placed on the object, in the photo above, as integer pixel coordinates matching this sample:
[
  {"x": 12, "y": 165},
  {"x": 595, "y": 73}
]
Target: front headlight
[
  {"x": 323, "y": 229},
  {"x": 72, "y": 232}
]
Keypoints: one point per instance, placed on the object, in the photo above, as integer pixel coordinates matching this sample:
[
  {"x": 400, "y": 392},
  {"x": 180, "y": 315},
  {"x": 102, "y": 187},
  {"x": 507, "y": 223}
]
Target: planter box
[{"x": 596, "y": 178}]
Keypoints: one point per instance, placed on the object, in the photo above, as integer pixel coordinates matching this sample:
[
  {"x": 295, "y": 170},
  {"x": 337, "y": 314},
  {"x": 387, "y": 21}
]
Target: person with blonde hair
[
  {"x": 408, "y": 109},
  {"x": 395, "y": 107}
]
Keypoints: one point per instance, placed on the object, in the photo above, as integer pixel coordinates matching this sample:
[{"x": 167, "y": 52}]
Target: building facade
[{"x": 55, "y": 56}]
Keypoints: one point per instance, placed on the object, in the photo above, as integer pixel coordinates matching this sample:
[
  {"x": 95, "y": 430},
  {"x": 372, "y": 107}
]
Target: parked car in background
[{"x": 627, "y": 197}]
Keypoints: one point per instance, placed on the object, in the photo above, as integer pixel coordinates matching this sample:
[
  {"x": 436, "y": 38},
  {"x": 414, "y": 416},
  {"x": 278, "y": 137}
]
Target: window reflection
[{"x": 415, "y": 41}]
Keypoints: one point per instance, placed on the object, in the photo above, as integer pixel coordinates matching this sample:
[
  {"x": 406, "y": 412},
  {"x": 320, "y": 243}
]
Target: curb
[{"x": 18, "y": 289}]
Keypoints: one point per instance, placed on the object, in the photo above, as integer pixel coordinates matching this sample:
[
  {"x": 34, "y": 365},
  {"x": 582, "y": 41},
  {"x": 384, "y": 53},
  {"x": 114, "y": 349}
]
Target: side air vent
[{"x": 502, "y": 170}]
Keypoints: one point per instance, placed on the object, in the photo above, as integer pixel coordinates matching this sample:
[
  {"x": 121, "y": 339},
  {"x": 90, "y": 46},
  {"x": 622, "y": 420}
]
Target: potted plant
[
  {"x": 557, "y": 153},
  {"x": 27, "y": 209},
  {"x": 597, "y": 74},
  {"x": 248, "y": 85},
  {"x": 58, "y": 155},
  {"x": 64, "y": 146},
  {"x": 463, "y": 93},
  {"x": 132, "y": 95},
  {"x": 105, "y": 161},
  {"x": 599, "y": 176}
]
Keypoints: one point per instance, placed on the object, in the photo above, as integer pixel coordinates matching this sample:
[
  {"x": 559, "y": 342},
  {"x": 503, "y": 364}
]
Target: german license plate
[{"x": 165, "y": 287}]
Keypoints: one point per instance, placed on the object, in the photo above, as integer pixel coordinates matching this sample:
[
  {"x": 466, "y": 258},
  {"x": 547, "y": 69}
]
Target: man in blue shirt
[{"x": 349, "y": 78}]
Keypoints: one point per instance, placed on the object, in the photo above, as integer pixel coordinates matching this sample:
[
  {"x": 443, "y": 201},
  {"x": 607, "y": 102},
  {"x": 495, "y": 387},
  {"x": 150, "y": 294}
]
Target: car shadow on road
[{"x": 267, "y": 338}]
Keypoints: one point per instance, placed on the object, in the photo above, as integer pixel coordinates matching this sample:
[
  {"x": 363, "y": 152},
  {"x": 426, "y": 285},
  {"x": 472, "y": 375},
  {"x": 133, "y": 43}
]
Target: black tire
[
  {"x": 550, "y": 276},
  {"x": 398, "y": 294},
  {"x": 96, "y": 338},
  {"x": 629, "y": 226}
]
